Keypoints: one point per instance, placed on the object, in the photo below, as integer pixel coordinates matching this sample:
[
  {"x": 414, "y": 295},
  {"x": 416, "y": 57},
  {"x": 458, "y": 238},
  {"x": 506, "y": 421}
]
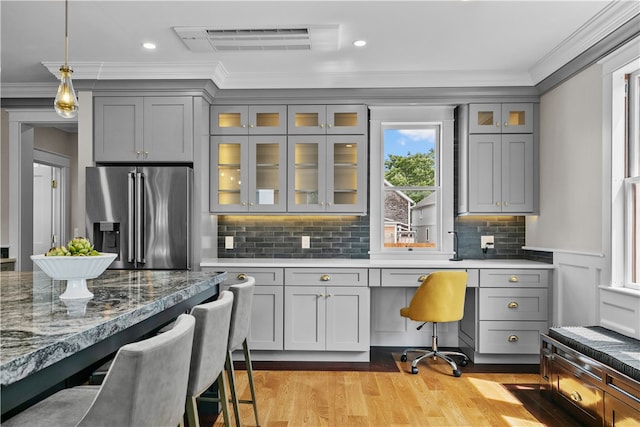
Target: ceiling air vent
[{"x": 259, "y": 39}]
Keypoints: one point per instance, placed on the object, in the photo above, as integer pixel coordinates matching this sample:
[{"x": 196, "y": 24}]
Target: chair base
[{"x": 435, "y": 353}]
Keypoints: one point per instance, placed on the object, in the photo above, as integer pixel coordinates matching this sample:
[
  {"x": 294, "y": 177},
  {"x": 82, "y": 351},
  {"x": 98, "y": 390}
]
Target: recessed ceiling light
[
  {"x": 359, "y": 43},
  {"x": 149, "y": 45}
]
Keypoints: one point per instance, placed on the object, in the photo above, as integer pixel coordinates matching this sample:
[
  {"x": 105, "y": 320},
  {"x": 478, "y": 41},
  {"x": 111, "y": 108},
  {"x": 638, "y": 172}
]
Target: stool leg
[
  {"x": 247, "y": 358},
  {"x": 222, "y": 394},
  {"x": 232, "y": 388},
  {"x": 192, "y": 412}
]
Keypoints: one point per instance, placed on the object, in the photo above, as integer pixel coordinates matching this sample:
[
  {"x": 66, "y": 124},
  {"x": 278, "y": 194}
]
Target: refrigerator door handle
[
  {"x": 130, "y": 215},
  {"x": 140, "y": 218}
]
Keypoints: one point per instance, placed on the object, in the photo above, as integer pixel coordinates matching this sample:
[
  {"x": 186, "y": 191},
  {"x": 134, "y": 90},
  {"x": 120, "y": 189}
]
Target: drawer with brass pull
[
  {"x": 326, "y": 276},
  {"x": 514, "y": 278},
  {"x": 513, "y": 304},
  {"x": 498, "y": 337}
]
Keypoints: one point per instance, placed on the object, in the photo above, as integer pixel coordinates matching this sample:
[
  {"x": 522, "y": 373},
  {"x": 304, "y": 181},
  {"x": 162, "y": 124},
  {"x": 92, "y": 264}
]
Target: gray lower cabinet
[
  {"x": 267, "y": 312},
  {"x": 505, "y": 316},
  {"x": 143, "y": 128},
  {"x": 326, "y": 310}
]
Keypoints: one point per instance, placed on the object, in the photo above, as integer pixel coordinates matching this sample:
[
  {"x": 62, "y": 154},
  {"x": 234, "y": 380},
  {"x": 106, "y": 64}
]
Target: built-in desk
[
  {"x": 321, "y": 309},
  {"x": 44, "y": 341}
]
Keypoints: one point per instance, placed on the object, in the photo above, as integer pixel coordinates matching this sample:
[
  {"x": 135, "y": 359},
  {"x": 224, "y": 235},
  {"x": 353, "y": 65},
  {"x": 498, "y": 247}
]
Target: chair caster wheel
[
  {"x": 403, "y": 358},
  {"x": 414, "y": 370},
  {"x": 457, "y": 373},
  {"x": 465, "y": 362}
]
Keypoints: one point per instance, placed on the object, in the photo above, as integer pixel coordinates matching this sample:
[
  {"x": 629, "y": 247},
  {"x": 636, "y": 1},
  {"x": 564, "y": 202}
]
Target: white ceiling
[{"x": 453, "y": 43}]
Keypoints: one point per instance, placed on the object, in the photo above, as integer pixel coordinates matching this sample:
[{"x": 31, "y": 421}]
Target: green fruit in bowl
[
  {"x": 58, "y": 251},
  {"x": 79, "y": 246}
]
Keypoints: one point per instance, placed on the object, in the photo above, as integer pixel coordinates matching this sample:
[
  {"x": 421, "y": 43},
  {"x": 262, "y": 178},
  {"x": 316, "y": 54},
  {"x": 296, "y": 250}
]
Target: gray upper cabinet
[
  {"x": 248, "y": 173},
  {"x": 498, "y": 159},
  {"x": 248, "y": 119},
  {"x": 501, "y": 173},
  {"x": 501, "y": 118},
  {"x": 327, "y": 174},
  {"x": 143, "y": 129},
  {"x": 327, "y": 119}
]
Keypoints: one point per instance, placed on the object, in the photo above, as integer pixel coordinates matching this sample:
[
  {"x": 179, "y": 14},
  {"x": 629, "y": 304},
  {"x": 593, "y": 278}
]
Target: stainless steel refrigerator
[{"x": 142, "y": 214}]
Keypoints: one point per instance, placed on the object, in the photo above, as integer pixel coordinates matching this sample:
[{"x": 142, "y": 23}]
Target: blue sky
[{"x": 403, "y": 141}]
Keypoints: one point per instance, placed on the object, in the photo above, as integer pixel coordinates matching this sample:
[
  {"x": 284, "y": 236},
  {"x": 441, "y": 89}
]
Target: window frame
[
  {"x": 616, "y": 233},
  {"x": 631, "y": 178},
  {"x": 383, "y": 117}
]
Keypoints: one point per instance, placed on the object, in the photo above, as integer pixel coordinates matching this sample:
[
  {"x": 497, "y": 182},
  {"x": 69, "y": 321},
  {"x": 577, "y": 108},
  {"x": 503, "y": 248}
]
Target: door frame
[{"x": 21, "y": 140}]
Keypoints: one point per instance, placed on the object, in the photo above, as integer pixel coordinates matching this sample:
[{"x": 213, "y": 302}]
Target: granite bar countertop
[{"x": 37, "y": 329}]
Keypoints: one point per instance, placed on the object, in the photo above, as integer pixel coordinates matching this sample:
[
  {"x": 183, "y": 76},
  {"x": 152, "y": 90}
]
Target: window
[
  {"x": 632, "y": 181},
  {"x": 411, "y": 185},
  {"x": 411, "y": 182}
]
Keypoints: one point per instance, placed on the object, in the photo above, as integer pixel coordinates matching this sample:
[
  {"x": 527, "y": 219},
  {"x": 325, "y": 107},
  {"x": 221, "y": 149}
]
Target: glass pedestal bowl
[{"x": 75, "y": 270}]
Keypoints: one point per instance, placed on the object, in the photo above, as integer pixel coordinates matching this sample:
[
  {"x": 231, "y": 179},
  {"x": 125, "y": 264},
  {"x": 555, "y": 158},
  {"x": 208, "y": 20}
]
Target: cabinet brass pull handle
[
  {"x": 422, "y": 278},
  {"x": 575, "y": 396},
  {"x": 513, "y": 304},
  {"x": 242, "y": 276},
  {"x": 513, "y": 338},
  {"x": 514, "y": 279},
  {"x": 325, "y": 277}
]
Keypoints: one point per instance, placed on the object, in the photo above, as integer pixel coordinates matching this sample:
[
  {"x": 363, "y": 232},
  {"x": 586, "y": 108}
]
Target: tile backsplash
[
  {"x": 280, "y": 236},
  {"x": 348, "y": 237}
]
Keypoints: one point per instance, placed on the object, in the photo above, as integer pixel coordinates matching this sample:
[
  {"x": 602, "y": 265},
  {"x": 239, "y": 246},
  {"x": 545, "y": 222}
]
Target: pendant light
[{"x": 66, "y": 103}]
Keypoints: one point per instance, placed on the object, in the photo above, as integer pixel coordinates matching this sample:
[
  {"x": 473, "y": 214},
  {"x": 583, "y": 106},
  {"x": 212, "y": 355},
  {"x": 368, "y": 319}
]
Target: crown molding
[{"x": 610, "y": 18}]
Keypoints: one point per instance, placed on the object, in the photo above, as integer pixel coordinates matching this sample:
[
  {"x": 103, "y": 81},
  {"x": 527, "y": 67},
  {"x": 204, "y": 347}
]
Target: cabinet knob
[
  {"x": 514, "y": 279},
  {"x": 321, "y": 203},
  {"x": 575, "y": 396},
  {"x": 497, "y": 124},
  {"x": 146, "y": 153},
  {"x": 244, "y": 203},
  {"x": 329, "y": 125},
  {"x": 251, "y": 126},
  {"x": 506, "y": 124},
  {"x": 506, "y": 203},
  {"x": 328, "y": 203},
  {"x": 422, "y": 278},
  {"x": 251, "y": 204},
  {"x": 321, "y": 125},
  {"x": 325, "y": 277},
  {"x": 244, "y": 126},
  {"x": 497, "y": 203},
  {"x": 320, "y": 295},
  {"x": 513, "y": 338},
  {"x": 242, "y": 276},
  {"x": 137, "y": 153},
  {"x": 330, "y": 295},
  {"x": 513, "y": 304}
]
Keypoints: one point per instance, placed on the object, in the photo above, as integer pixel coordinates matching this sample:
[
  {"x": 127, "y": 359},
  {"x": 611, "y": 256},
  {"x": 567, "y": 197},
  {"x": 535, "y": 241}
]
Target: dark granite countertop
[{"x": 38, "y": 329}]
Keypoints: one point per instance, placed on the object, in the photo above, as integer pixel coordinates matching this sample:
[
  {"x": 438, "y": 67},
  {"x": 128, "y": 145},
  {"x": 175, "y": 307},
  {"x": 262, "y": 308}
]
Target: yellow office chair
[{"x": 440, "y": 298}]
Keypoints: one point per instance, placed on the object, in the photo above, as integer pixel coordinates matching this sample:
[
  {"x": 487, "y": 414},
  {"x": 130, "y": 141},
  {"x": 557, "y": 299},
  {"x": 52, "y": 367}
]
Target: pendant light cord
[{"x": 66, "y": 32}]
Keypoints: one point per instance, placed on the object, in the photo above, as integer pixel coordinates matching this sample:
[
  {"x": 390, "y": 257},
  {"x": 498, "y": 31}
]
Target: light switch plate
[
  {"x": 306, "y": 242},
  {"x": 228, "y": 242}
]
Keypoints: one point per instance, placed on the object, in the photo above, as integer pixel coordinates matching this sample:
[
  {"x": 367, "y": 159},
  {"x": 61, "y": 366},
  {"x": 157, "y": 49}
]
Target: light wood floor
[{"x": 433, "y": 397}]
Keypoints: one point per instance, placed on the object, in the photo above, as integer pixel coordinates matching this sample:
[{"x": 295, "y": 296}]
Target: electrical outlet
[
  {"x": 228, "y": 242},
  {"x": 486, "y": 242},
  {"x": 306, "y": 242}
]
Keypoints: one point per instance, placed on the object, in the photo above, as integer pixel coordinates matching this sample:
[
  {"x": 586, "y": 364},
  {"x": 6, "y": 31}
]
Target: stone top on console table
[
  {"x": 37, "y": 328},
  {"x": 366, "y": 263}
]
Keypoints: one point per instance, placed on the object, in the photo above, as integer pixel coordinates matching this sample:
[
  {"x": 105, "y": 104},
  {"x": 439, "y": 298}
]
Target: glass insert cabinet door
[
  {"x": 249, "y": 120},
  {"x": 327, "y": 119},
  {"x": 248, "y": 174},
  {"x": 501, "y": 118},
  {"x": 327, "y": 174}
]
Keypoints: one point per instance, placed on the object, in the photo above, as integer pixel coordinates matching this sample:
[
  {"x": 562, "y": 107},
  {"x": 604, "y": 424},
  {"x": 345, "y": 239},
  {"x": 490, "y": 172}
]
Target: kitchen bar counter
[
  {"x": 367, "y": 263},
  {"x": 41, "y": 334}
]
